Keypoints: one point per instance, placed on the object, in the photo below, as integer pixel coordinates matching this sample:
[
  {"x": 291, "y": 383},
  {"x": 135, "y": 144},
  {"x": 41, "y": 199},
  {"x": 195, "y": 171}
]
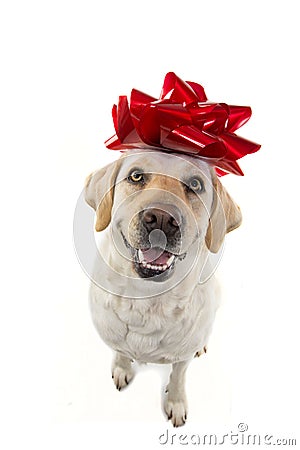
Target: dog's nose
[{"x": 167, "y": 221}]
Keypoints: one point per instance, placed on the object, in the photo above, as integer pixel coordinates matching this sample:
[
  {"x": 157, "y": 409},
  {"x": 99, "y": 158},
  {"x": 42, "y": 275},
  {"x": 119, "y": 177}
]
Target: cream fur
[{"x": 172, "y": 326}]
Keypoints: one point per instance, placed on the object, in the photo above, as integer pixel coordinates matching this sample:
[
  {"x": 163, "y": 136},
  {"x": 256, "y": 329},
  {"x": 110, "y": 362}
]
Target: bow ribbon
[{"x": 182, "y": 120}]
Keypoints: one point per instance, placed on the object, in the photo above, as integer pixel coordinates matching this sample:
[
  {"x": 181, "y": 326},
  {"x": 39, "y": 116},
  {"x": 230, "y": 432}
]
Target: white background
[{"x": 63, "y": 65}]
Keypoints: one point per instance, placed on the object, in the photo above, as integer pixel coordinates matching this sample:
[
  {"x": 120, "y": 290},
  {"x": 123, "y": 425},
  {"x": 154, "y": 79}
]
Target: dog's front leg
[
  {"x": 175, "y": 402},
  {"x": 122, "y": 372}
]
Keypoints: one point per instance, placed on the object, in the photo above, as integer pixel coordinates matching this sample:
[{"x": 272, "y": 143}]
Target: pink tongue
[{"x": 156, "y": 256}]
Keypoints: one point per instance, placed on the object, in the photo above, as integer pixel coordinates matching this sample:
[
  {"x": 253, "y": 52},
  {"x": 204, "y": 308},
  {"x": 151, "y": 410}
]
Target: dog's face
[{"x": 161, "y": 205}]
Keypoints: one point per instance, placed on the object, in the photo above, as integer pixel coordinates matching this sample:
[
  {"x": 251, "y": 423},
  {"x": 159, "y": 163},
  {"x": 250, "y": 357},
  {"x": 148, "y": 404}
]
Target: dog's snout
[{"x": 155, "y": 218}]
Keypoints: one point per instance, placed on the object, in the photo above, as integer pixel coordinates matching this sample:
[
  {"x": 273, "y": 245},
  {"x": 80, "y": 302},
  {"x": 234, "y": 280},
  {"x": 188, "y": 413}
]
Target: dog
[{"x": 162, "y": 215}]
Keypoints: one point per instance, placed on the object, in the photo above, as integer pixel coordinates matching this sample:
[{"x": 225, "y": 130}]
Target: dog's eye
[
  {"x": 196, "y": 185},
  {"x": 136, "y": 177}
]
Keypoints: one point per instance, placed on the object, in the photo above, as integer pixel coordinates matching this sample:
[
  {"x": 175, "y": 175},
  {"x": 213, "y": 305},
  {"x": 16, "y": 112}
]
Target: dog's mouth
[{"x": 154, "y": 262}]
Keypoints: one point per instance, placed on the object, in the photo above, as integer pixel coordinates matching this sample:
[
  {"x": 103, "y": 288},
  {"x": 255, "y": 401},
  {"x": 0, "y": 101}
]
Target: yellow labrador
[{"x": 162, "y": 216}]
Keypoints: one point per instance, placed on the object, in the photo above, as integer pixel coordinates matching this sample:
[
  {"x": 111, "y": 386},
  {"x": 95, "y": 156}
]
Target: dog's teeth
[
  {"x": 159, "y": 267},
  {"x": 140, "y": 255},
  {"x": 170, "y": 260}
]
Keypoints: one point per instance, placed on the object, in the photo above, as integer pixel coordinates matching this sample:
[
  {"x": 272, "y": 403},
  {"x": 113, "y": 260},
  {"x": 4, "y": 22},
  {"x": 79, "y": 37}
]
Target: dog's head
[{"x": 161, "y": 205}]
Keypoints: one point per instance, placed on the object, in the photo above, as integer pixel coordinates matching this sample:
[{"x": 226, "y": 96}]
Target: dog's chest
[
  {"x": 155, "y": 332},
  {"x": 159, "y": 331}
]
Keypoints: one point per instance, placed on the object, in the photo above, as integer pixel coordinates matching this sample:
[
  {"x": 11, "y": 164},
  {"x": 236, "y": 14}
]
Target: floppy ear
[
  {"x": 99, "y": 193},
  {"x": 225, "y": 217}
]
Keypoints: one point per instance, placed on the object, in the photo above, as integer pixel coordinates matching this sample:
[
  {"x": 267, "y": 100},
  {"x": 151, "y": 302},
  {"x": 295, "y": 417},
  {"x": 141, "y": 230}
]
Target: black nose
[{"x": 154, "y": 218}]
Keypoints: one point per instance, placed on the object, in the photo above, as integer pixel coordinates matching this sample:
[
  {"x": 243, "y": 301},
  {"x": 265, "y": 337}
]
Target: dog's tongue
[{"x": 156, "y": 255}]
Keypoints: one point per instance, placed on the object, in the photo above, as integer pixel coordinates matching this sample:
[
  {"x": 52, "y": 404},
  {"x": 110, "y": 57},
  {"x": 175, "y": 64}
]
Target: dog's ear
[
  {"x": 225, "y": 217},
  {"x": 99, "y": 193}
]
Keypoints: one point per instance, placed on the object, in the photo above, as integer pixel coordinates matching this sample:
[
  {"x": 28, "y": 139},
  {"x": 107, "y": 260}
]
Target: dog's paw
[
  {"x": 176, "y": 412},
  {"x": 200, "y": 352},
  {"x": 121, "y": 377}
]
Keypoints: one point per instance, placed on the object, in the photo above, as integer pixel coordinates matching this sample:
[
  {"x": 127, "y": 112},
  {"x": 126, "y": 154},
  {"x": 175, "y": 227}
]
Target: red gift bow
[{"x": 182, "y": 120}]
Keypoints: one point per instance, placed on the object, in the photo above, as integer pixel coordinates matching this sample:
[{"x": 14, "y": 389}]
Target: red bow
[{"x": 182, "y": 120}]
